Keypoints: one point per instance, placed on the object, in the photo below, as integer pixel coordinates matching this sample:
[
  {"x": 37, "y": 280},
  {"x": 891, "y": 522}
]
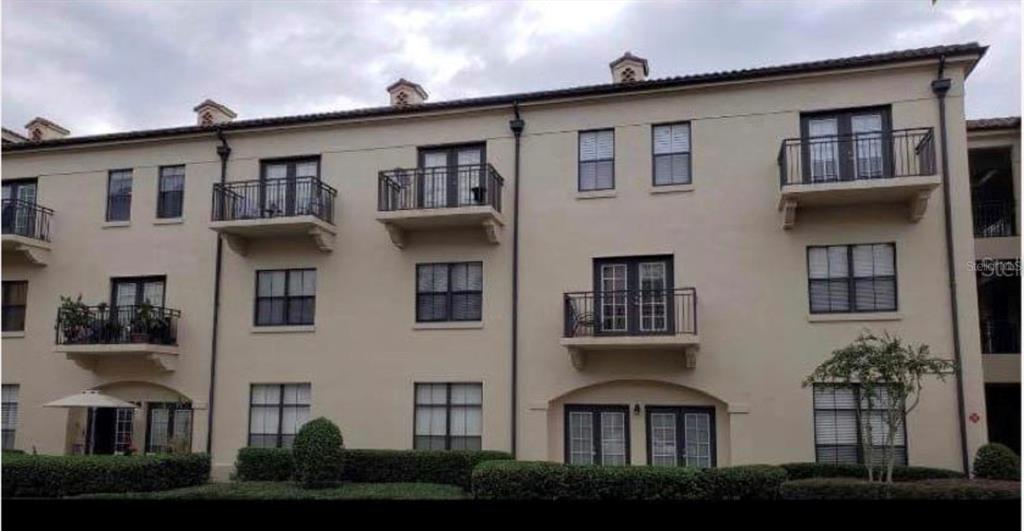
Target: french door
[
  {"x": 847, "y": 145},
  {"x": 597, "y": 435},
  {"x": 681, "y": 436},
  {"x": 634, "y": 296},
  {"x": 169, "y": 428},
  {"x": 451, "y": 176},
  {"x": 128, "y": 293},
  {"x": 18, "y": 212},
  {"x": 289, "y": 187}
]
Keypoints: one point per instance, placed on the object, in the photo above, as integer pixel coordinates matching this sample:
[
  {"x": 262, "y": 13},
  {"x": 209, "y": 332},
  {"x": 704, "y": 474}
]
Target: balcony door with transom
[
  {"x": 847, "y": 145},
  {"x": 288, "y": 187},
  {"x": 19, "y": 199},
  {"x": 451, "y": 176},
  {"x": 634, "y": 296}
]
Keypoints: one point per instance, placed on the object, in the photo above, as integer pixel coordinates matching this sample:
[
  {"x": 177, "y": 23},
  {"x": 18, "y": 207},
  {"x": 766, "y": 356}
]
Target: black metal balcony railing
[
  {"x": 23, "y": 218},
  {"x": 631, "y": 312},
  {"x": 105, "y": 325},
  {"x": 994, "y": 219},
  {"x": 1000, "y": 337},
  {"x": 273, "y": 198},
  {"x": 443, "y": 187},
  {"x": 879, "y": 155}
]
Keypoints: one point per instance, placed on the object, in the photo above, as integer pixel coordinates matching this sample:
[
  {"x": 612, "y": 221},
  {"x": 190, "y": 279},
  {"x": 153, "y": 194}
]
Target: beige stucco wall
[{"x": 364, "y": 353}]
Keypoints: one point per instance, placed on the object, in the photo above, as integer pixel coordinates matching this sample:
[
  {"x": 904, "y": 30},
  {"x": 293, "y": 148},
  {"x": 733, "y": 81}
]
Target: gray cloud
[{"x": 109, "y": 66}]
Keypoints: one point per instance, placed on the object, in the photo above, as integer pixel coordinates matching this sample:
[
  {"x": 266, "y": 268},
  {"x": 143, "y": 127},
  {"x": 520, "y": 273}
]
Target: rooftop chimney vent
[
  {"x": 210, "y": 112},
  {"x": 629, "y": 69},
  {"x": 404, "y": 92},
  {"x": 40, "y": 129}
]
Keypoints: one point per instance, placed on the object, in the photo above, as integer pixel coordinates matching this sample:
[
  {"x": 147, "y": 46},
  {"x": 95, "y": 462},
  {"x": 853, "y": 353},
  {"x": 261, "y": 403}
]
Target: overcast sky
[{"x": 97, "y": 67}]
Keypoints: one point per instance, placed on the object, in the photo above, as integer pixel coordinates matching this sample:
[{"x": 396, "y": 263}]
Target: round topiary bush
[
  {"x": 317, "y": 451},
  {"x": 996, "y": 461}
]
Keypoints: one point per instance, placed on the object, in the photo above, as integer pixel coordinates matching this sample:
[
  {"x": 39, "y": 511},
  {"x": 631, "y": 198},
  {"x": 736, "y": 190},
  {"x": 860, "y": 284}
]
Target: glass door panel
[
  {"x": 823, "y": 145},
  {"x": 867, "y": 145},
  {"x": 435, "y": 179}
]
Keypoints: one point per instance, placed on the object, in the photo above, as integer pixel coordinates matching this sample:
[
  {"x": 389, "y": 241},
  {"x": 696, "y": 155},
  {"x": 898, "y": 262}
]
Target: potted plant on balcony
[
  {"x": 105, "y": 325},
  {"x": 148, "y": 324},
  {"x": 74, "y": 319}
]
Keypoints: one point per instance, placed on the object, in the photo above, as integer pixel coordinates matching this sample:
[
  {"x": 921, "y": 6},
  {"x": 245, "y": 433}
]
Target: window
[
  {"x": 9, "y": 401},
  {"x": 20, "y": 210},
  {"x": 839, "y": 425},
  {"x": 123, "y": 429},
  {"x": 597, "y": 160},
  {"x": 681, "y": 436},
  {"x": 852, "y": 278},
  {"x": 276, "y": 412},
  {"x": 672, "y": 154},
  {"x": 285, "y": 297},
  {"x": 15, "y": 296},
  {"x": 597, "y": 435},
  {"x": 171, "y": 192},
  {"x": 449, "y": 292},
  {"x": 170, "y": 428},
  {"x": 449, "y": 416},
  {"x": 119, "y": 195}
]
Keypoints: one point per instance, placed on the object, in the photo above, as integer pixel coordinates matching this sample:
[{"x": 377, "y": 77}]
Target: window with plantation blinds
[
  {"x": 449, "y": 416},
  {"x": 449, "y": 292},
  {"x": 597, "y": 160},
  {"x": 672, "y": 154},
  {"x": 852, "y": 278},
  {"x": 839, "y": 425}
]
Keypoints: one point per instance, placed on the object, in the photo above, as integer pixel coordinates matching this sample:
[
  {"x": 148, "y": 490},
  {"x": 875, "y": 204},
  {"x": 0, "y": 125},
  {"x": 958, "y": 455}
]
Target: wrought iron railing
[
  {"x": 442, "y": 187},
  {"x": 631, "y": 312},
  {"x": 107, "y": 325},
  {"x": 23, "y": 218},
  {"x": 994, "y": 219},
  {"x": 838, "y": 158},
  {"x": 1000, "y": 337},
  {"x": 273, "y": 198}
]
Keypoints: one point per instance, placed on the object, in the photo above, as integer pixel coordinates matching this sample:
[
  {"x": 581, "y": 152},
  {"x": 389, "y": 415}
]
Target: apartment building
[
  {"x": 994, "y": 161},
  {"x": 636, "y": 272}
]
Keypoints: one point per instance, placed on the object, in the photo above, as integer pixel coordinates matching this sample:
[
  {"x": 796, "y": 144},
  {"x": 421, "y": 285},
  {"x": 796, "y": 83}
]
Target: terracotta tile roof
[
  {"x": 933, "y": 52},
  {"x": 984, "y": 124}
]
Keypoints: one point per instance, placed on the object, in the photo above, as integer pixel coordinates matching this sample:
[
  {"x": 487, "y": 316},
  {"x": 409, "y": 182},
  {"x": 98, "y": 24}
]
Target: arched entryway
[
  {"x": 160, "y": 422},
  {"x": 639, "y": 422}
]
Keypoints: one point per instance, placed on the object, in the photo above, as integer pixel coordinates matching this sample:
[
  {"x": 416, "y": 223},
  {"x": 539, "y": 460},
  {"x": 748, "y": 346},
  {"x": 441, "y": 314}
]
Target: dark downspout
[
  {"x": 940, "y": 86},
  {"x": 516, "y": 125},
  {"x": 223, "y": 151}
]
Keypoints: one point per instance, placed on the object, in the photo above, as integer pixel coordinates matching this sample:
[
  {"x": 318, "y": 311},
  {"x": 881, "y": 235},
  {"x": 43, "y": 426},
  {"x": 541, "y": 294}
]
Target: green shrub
[
  {"x": 66, "y": 475},
  {"x": 318, "y": 453},
  {"x": 858, "y": 489},
  {"x": 526, "y": 480},
  {"x": 797, "y": 471},
  {"x": 996, "y": 461},
  {"x": 746, "y": 482},
  {"x": 264, "y": 464},
  {"x": 452, "y": 467}
]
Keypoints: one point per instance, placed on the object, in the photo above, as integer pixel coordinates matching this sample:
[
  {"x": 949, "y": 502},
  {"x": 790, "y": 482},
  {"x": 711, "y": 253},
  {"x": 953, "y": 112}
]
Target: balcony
[
  {"x": 444, "y": 198},
  {"x": 301, "y": 208},
  {"x": 856, "y": 169},
  {"x": 26, "y": 230},
  {"x": 1000, "y": 337},
  {"x": 631, "y": 320},
  {"x": 994, "y": 219},
  {"x": 89, "y": 335}
]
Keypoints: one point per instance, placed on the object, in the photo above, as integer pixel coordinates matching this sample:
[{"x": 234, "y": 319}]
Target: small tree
[{"x": 890, "y": 374}]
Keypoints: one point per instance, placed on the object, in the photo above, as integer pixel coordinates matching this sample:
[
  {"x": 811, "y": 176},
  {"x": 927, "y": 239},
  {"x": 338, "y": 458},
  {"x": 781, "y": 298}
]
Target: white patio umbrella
[{"x": 90, "y": 398}]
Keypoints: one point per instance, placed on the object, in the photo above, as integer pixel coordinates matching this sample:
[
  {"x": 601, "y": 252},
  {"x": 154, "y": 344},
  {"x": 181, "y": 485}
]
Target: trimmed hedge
[
  {"x": 67, "y": 475},
  {"x": 797, "y": 471},
  {"x": 857, "y": 489},
  {"x": 264, "y": 464},
  {"x": 449, "y": 467},
  {"x": 372, "y": 466},
  {"x": 997, "y": 461},
  {"x": 317, "y": 453},
  {"x": 539, "y": 480}
]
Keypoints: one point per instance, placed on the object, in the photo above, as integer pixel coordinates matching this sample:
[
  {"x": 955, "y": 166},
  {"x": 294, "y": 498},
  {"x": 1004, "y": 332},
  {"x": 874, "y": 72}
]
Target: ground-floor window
[
  {"x": 839, "y": 425},
  {"x": 123, "y": 429},
  {"x": 681, "y": 436},
  {"x": 276, "y": 412},
  {"x": 449, "y": 416},
  {"x": 10, "y": 414},
  {"x": 597, "y": 434},
  {"x": 169, "y": 429}
]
